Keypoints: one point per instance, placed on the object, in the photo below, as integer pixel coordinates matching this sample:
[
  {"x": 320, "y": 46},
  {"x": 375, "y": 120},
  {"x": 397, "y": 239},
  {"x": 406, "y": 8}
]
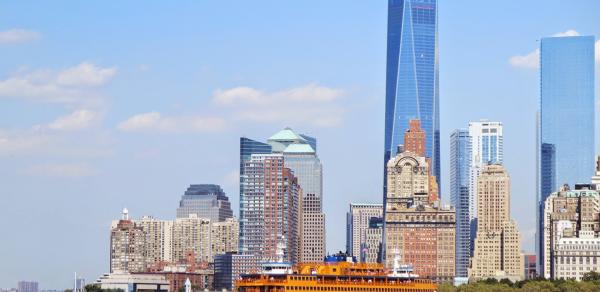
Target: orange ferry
[{"x": 337, "y": 273}]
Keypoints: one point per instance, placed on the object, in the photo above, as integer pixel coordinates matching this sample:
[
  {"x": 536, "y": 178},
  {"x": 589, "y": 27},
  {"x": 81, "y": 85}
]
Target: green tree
[
  {"x": 540, "y": 286},
  {"x": 447, "y": 288},
  {"x": 591, "y": 276},
  {"x": 93, "y": 288}
]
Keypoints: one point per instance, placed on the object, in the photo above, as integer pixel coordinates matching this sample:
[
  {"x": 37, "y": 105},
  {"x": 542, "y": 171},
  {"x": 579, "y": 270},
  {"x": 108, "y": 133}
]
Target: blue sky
[{"x": 105, "y": 105}]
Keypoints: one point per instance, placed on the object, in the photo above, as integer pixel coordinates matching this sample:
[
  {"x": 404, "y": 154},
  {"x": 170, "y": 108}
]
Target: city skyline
[{"x": 128, "y": 113}]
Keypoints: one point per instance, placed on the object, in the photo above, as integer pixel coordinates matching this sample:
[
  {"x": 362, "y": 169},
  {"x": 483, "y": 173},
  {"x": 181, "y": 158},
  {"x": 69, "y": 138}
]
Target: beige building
[
  {"x": 192, "y": 234},
  {"x": 158, "y": 238},
  {"x": 225, "y": 236},
  {"x": 417, "y": 229},
  {"x": 357, "y": 224},
  {"x": 407, "y": 180},
  {"x": 312, "y": 233},
  {"x": 172, "y": 241},
  {"x": 498, "y": 241},
  {"x": 571, "y": 220},
  {"x": 127, "y": 246},
  {"x": 574, "y": 256}
]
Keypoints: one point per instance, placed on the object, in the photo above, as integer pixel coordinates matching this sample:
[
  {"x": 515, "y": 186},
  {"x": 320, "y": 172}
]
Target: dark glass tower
[
  {"x": 412, "y": 76},
  {"x": 460, "y": 162}
]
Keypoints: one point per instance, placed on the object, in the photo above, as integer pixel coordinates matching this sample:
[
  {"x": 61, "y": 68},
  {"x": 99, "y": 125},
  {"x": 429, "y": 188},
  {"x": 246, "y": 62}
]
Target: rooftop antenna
[{"x": 125, "y": 214}]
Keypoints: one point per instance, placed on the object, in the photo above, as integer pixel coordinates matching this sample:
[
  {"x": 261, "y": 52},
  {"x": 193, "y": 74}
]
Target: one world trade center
[{"x": 412, "y": 76}]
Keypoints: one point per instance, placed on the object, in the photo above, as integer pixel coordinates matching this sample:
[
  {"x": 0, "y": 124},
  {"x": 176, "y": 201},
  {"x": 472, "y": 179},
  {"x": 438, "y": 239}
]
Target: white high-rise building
[{"x": 486, "y": 141}]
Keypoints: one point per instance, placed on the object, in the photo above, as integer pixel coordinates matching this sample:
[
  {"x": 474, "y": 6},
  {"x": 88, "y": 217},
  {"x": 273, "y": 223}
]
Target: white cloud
[
  {"x": 67, "y": 170},
  {"x": 85, "y": 74},
  {"x": 311, "y": 104},
  {"x": 77, "y": 120},
  {"x": 15, "y": 142},
  {"x": 529, "y": 61},
  {"x": 155, "y": 122},
  {"x": 42, "y": 141},
  {"x": 70, "y": 85},
  {"x": 567, "y": 33},
  {"x": 239, "y": 94},
  {"x": 309, "y": 93},
  {"x": 16, "y": 36}
]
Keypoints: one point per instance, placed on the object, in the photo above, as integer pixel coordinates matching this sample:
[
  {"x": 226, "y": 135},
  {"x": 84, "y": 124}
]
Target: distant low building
[
  {"x": 177, "y": 275},
  {"x": 134, "y": 282},
  {"x": 28, "y": 286}
]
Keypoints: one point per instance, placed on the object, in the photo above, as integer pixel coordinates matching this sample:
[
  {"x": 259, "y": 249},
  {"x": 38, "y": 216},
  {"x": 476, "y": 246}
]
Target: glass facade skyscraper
[
  {"x": 207, "y": 201},
  {"x": 412, "y": 76},
  {"x": 460, "y": 161},
  {"x": 299, "y": 155},
  {"x": 566, "y": 117}
]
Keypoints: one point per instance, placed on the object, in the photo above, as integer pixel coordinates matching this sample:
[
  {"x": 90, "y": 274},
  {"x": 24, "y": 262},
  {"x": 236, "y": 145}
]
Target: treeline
[{"x": 590, "y": 283}]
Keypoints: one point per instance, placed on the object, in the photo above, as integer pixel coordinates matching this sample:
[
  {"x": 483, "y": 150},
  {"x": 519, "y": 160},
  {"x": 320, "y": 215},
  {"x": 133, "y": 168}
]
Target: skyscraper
[
  {"x": 566, "y": 118},
  {"x": 412, "y": 76},
  {"x": 498, "y": 241},
  {"x": 207, "y": 201},
  {"x": 269, "y": 208},
  {"x": 300, "y": 156},
  {"x": 460, "y": 156}
]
